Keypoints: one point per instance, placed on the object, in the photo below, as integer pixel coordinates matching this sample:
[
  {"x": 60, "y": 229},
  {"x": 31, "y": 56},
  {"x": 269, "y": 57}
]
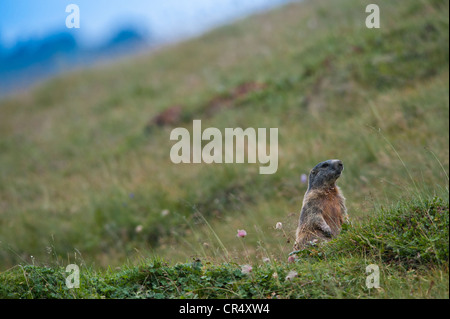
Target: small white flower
[
  {"x": 279, "y": 225},
  {"x": 246, "y": 269},
  {"x": 165, "y": 212},
  {"x": 291, "y": 275},
  {"x": 266, "y": 259},
  {"x": 138, "y": 228}
]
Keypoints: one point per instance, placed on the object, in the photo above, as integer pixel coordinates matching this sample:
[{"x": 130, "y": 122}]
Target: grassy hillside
[
  {"x": 86, "y": 175},
  {"x": 412, "y": 264}
]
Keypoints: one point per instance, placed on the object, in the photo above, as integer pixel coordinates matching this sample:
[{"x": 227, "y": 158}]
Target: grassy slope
[
  {"x": 75, "y": 149},
  {"x": 411, "y": 250}
]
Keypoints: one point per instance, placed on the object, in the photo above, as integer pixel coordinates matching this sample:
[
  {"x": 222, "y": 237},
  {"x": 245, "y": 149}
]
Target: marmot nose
[{"x": 337, "y": 164}]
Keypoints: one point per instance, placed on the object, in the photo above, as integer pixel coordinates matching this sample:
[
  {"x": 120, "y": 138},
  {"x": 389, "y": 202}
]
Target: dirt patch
[
  {"x": 169, "y": 117},
  {"x": 174, "y": 115},
  {"x": 226, "y": 101}
]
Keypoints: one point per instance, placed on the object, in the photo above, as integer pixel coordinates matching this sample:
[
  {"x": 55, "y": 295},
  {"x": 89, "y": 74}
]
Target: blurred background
[{"x": 35, "y": 42}]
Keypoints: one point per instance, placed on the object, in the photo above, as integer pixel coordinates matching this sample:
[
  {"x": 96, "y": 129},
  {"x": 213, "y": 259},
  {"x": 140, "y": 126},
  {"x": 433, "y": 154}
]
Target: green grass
[
  {"x": 84, "y": 180},
  {"x": 409, "y": 243}
]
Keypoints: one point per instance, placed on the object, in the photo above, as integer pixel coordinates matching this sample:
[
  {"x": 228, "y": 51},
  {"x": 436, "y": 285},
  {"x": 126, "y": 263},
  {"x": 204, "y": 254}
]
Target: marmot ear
[{"x": 313, "y": 172}]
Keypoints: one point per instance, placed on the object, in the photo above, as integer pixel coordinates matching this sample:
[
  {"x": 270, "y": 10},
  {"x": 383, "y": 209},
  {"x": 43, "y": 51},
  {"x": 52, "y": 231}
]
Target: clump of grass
[
  {"x": 410, "y": 234},
  {"x": 30, "y": 282}
]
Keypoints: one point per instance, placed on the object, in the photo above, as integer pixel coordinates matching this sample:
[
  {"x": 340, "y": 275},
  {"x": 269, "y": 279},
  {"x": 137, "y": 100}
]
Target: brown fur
[{"x": 322, "y": 216}]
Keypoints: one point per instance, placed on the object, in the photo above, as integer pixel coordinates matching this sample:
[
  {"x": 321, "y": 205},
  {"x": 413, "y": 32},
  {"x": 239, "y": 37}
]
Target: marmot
[{"x": 323, "y": 211}]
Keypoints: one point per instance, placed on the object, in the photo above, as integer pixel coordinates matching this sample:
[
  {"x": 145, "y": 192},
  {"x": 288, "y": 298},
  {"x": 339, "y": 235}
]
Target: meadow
[{"x": 86, "y": 176}]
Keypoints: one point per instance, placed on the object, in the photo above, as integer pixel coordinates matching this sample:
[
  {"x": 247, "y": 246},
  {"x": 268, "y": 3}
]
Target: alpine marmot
[{"x": 323, "y": 211}]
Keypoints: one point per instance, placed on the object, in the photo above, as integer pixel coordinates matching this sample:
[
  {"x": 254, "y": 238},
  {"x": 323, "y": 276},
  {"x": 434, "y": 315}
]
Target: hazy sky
[{"x": 23, "y": 19}]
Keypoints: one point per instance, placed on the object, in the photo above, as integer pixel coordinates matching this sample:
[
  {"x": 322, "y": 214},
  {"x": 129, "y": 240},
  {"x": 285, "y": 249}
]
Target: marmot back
[{"x": 323, "y": 211}]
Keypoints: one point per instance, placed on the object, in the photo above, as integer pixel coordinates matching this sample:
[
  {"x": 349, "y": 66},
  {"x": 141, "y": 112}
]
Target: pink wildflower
[{"x": 241, "y": 233}]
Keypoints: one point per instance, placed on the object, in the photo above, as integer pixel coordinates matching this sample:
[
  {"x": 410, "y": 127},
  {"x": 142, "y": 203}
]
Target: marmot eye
[{"x": 325, "y": 165}]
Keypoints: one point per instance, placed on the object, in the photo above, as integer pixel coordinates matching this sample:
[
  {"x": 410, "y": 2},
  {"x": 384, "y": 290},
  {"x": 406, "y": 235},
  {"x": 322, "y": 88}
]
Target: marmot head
[{"x": 325, "y": 174}]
